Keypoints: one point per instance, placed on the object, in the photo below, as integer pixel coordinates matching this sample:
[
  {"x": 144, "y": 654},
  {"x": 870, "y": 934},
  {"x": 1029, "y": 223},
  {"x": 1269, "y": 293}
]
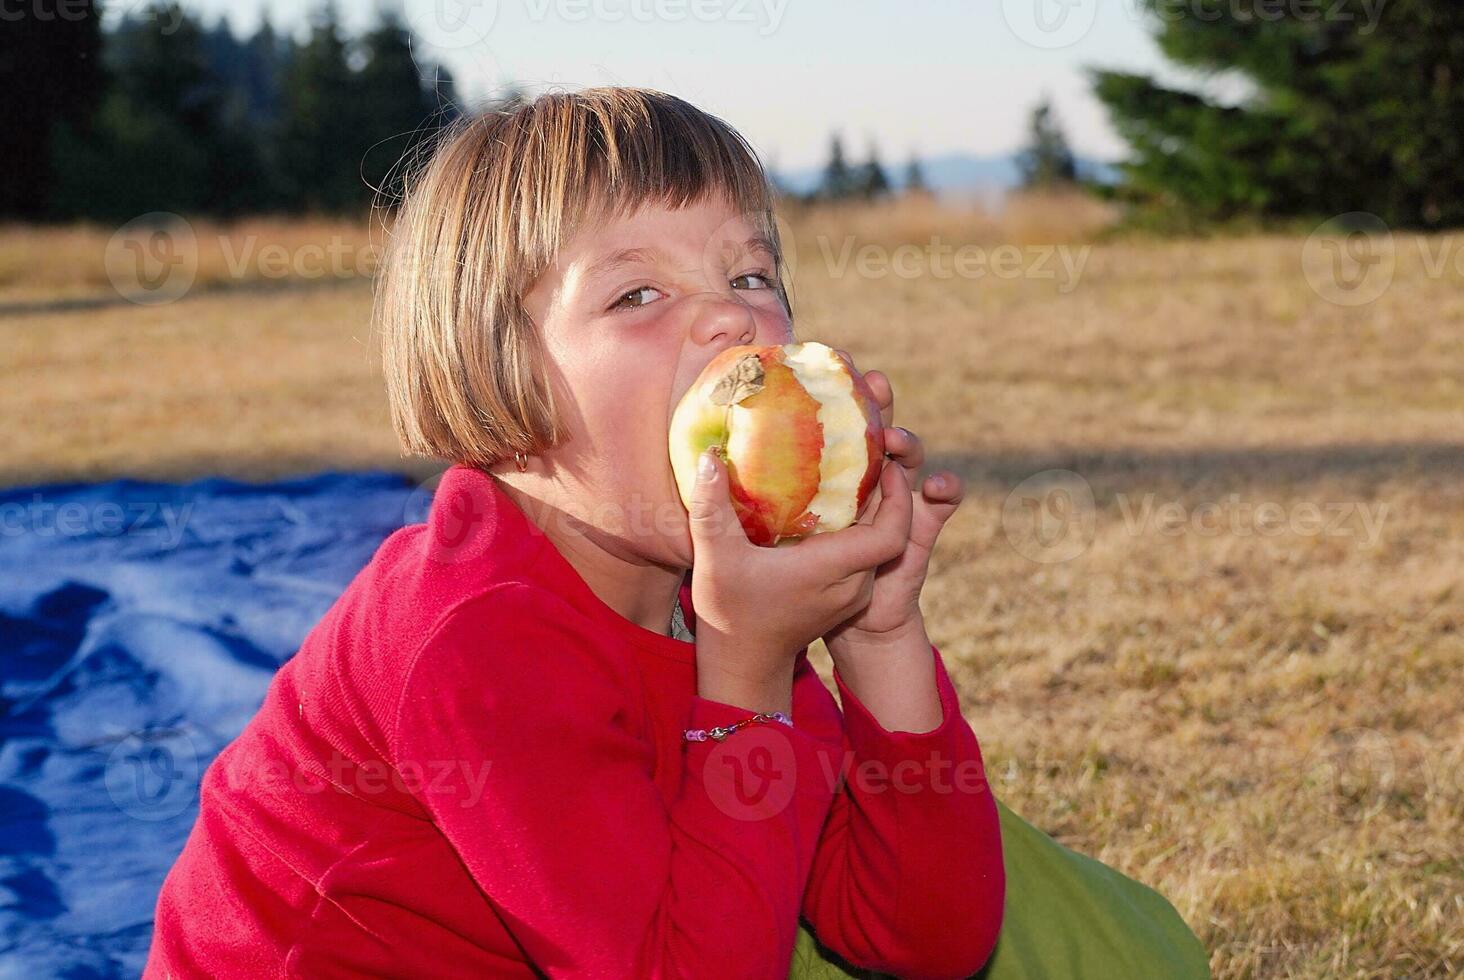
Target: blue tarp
[{"x": 140, "y": 624}]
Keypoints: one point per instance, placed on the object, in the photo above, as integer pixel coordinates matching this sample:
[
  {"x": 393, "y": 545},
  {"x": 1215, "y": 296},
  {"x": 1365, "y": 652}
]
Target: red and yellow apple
[{"x": 800, "y": 433}]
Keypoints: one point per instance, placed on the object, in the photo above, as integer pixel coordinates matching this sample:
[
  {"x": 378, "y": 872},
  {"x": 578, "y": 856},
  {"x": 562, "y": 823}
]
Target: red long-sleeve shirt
[{"x": 473, "y": 766}]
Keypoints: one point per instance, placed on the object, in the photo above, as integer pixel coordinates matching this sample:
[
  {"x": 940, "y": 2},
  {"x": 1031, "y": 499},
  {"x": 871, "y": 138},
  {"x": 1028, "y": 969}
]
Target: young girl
[{"x": 490, "y": 758}]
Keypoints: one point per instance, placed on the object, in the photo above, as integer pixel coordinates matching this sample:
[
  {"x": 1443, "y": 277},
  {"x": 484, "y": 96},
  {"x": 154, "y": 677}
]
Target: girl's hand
[
  {"x": 894, "y": 607},
  {"x": 757, "y": 608}
]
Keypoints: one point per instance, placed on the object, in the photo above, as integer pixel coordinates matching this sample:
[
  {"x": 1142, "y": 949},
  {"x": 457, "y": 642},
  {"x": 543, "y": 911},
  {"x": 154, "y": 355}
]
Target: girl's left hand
[{"x": 894, "y": 608}]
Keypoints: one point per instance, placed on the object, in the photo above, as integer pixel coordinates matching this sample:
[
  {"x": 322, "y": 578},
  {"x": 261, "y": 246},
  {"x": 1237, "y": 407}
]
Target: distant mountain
[{"x": 955, "y": 173}]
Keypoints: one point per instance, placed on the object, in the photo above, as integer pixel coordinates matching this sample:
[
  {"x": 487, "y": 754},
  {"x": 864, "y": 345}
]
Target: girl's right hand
[{"x": 758, "y": 607}]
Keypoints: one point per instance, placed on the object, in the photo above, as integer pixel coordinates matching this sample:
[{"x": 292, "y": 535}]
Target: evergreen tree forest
[
  {"x": 1344, "y": 106},
  {"x": 162, "y": 113}
]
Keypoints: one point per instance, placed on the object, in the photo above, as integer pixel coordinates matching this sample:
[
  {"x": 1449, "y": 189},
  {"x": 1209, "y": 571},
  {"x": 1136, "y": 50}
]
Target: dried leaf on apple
[{"x": 744, "y": 380}]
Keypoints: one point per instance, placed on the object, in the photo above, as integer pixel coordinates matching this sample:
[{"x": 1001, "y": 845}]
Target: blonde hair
[{"x": 499, "y": 193}]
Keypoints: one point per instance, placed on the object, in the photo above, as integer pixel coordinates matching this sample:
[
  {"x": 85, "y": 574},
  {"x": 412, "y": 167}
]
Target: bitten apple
[{"x": 800, "y": 432}]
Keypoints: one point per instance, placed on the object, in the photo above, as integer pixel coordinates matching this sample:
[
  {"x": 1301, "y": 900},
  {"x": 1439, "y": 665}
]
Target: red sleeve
[
  {"x": 908, "y": 876},
  {"x": 590, "y": 868}
]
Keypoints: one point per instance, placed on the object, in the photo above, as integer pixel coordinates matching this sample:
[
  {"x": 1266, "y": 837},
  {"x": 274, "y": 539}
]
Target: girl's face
[{"x": 631, "y": 312}]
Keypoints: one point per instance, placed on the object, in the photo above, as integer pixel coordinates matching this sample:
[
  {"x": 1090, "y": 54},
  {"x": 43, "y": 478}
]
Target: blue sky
[{"x": 928, "y": 76}]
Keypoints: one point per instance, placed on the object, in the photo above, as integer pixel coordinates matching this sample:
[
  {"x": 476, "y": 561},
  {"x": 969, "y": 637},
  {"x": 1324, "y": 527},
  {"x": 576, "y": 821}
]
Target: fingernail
[{"x": 705, "y": 468}]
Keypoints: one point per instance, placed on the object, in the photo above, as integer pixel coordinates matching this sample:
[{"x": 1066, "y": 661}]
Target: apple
[{"x": 799, "y": 430}]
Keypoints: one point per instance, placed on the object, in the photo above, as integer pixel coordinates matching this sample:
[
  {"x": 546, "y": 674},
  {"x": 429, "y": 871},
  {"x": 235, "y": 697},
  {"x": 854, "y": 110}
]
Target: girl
[{"x": 491, "y": 757}]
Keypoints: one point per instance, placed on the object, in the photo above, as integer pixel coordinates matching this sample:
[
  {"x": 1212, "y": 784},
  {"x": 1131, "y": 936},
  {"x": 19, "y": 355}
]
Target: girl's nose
[{"x": 719, "y": 321}]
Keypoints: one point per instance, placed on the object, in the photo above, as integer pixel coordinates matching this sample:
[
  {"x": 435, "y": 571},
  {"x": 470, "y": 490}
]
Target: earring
[{"x": 521, "y": 461}]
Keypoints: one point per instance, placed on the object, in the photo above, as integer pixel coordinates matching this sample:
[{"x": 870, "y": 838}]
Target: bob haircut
[{"x": 483, "y": 217}]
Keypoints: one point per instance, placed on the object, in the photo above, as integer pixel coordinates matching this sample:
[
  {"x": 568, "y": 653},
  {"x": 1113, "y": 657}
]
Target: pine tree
[
  {"x": 321, "y": 128},
  {"x": 401, "y": 108},
  {"x": 266, "y": 56},
  {"x": 870, "y": 181},
  {"x": 158, "y": 141},
  {"x": 165, "y": 114},
  {"x": 1348, "y": 111},
  {"x": 234, "y": 139},
  {"x": 838, "y": 178},
  {"x": 51, "y": 76},
  {"x": 914, "y": 182},
  {"x": 1047, "y": 160},
  {"x": 442, "y": 95}
]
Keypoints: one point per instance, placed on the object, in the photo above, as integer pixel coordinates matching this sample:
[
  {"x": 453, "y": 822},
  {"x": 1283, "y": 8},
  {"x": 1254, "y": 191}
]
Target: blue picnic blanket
[{"x": 140, "y": 624}]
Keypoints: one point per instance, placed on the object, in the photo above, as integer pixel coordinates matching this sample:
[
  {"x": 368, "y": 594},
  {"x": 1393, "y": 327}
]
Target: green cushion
[{"x": 1067, "y": 915}]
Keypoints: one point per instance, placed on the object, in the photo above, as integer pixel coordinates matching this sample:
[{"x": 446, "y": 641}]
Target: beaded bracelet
[{"x": 719, "y": 733}]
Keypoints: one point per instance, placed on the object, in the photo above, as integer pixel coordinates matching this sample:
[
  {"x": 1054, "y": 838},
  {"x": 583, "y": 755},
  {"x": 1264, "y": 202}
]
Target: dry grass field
[
  {"x": 1203, "y": 601},
  {"x": 89, "y": 264}
]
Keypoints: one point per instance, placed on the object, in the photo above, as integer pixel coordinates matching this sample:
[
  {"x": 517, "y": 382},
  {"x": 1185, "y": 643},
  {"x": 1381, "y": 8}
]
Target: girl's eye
[
  {"x": 764, "y": 281},
  {"x": 634, "y": 298}
]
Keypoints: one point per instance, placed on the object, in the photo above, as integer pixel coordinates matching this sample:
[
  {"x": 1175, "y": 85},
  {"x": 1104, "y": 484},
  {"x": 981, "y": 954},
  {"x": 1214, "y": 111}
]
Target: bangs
[{"x": 599, "y": 154}]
